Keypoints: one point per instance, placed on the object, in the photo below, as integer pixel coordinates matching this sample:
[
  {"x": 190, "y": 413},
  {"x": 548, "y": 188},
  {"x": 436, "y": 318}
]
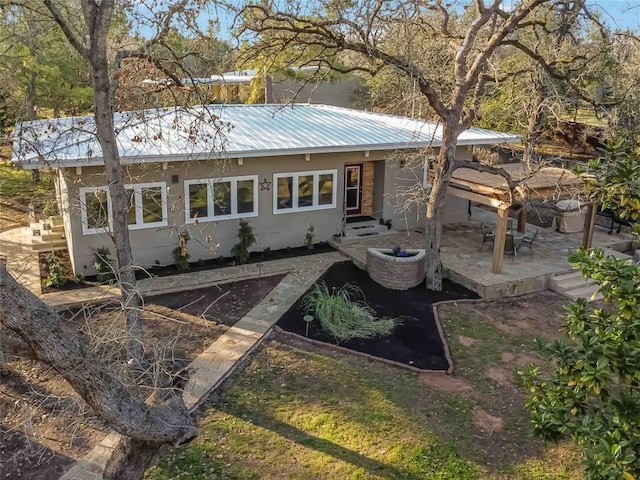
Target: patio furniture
[
  {"x": 512, "y": 238},
  {"x": 526, "y": 241},
  {"x": 487, "y": 235}
]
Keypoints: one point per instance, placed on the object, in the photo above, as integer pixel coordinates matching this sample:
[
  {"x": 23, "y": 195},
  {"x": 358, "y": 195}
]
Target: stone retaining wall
[{"x": 397, "y": 273}]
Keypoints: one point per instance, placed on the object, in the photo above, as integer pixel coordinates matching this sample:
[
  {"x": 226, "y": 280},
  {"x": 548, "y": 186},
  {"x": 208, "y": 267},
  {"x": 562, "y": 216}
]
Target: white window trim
[
  {"x": 210, "y": 182},
  {"x": 425, "y": 174},
  {"x": 137, "y": 192},
  {"x": 83, "y": 211},
  {"x": 294, "y": 194},
  {"x": 137, "y": 189}
]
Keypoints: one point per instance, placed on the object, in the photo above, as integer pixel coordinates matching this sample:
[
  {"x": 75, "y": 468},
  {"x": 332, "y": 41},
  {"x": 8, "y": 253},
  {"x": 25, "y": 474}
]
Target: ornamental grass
[{"x": 344, "y": 315}]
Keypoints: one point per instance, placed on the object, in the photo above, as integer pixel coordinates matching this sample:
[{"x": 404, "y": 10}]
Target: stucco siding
[{"x": 154, "y": 245}]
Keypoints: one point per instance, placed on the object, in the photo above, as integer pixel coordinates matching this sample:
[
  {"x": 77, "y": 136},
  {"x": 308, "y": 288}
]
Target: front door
[{"x": 353, "y": 189}]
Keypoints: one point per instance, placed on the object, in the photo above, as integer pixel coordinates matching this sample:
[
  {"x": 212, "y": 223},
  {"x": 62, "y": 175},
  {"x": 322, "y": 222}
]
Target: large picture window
[
  {"x": 221, "y": 198},
  {"x": 302, "y": 191},
  {"x": 146, "y": 207}
]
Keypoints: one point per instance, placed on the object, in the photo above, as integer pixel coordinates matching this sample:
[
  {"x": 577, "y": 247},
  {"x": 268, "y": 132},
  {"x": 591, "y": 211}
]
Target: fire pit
[{"x": 396, "y": 268}]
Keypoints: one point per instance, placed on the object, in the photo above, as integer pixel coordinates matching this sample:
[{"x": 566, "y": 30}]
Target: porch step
[
  {"x": 365, "y": 229},
  {"x": 574, "y": 285}
]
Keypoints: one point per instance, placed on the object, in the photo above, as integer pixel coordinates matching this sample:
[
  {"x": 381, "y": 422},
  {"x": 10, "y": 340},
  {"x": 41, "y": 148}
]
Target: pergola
[{"x": 543, "y": 185}]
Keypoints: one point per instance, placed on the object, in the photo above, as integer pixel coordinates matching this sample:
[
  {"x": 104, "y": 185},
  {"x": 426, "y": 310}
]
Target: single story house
[{"x": 284, "y": 168}]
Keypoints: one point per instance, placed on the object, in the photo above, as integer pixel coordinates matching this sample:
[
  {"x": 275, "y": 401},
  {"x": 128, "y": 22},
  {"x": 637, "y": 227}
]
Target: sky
[{"x": 622, "y": 14}]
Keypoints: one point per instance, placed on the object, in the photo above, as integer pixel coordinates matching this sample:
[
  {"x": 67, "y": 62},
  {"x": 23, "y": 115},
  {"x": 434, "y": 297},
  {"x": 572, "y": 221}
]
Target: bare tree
[
  {"x": 45, "y": 338},
  {"x": 471, "y": 36}
]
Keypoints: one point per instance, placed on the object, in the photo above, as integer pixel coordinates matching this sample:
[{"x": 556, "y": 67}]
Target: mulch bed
[
  {"x": 416, "y": 342},
  {"x": 225, "y": 304},
  {"x": 73, "y": 283},
  {"x": 222, "y": 262}
]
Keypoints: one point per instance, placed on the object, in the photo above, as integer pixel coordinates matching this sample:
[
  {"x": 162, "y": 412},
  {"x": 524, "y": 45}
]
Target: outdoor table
[{"x": 514, "y": 235}]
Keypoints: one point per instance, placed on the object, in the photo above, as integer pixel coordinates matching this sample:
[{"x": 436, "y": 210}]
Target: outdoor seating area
[{"x": 541, "y": 253}]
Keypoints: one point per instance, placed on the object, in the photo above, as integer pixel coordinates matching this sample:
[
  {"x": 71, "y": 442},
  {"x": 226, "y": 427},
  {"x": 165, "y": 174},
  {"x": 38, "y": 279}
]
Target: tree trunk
[
  {"x": 41, "y": 329},
  {"x": 533, "y": 124},
  {"x": 435, "y": 207},
  {"x": 130, "y": 459},
  {"x": 98, "y": 31}
]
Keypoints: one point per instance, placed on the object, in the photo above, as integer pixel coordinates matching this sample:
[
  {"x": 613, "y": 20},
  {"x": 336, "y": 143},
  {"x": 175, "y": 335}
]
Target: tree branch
[{"x": 41, "y": 329}]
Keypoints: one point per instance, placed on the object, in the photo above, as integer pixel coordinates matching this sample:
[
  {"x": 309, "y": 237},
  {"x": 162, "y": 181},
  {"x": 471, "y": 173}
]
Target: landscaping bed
[
  {"x": 302, "y": 411},
  {"x": 222, "y": 262},
  {"x": 45, "y": 426},
  {"x": 225, "y": 304},
  {"x": 416, "y": 342}
]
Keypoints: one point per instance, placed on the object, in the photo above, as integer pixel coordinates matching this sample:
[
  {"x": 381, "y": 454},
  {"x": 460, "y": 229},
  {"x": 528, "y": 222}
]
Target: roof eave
[{"x": 97, "y": 161}]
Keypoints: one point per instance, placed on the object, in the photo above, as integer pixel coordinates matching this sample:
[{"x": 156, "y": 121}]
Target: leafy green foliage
[
  {"x": 181, "y": 253},
  {"x": 344, "y": 315},
  {"x": 614, "y": 180},
  {"x": 56, "y": 277},
  {"x": 309, "y": 237},
  {"x": 593, "y": 394},
  {"x": 246, "y": 240},
  {"x": 103, "y": 264},
  {"x": 18, "y": 187}
]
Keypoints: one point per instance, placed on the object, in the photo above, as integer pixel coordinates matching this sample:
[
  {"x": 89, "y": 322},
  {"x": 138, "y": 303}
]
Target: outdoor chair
[
  {"x": 487, "y": 235},
  {"x": 527, "y": 241}
]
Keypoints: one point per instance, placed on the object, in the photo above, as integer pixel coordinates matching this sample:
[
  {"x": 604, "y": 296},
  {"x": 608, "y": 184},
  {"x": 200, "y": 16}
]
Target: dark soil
[
  {"x": 45, "y": 426},
  {"x": 221, "y": 262},
  {"x": 415, "y": 342},
  {"x": 225, "y": 304},
  {"x": 73, "y": 283}
]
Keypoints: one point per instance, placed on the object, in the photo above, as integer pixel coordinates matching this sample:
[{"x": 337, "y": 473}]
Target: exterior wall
[
  {"x": 397, "y": 179},
  {"x": 456, "y": 209},
  {"x": 154, "y": 245},
  {"x": 378, "y": 188},
  {"x": 151, "y": 245}
]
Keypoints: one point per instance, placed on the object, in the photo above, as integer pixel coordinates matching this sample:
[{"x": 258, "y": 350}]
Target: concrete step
[
  {"x": 367, "y": 234},
  {"x": 574, "y": 285},
  {"x": 589, "y": 292},
  {"x": 568, "y": 283}
]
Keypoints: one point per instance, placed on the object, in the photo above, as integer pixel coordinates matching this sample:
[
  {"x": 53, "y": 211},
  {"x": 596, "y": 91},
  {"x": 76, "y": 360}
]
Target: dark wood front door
[{"x": 353, "y": 189}]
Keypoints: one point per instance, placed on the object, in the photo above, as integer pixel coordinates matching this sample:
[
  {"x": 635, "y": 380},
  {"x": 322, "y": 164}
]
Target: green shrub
[
  {"x": 103, "y": 264},
  {"x": 246, "y": 240},
  {"x": 181, "y": 253},
  {"x": 342, "y": 313},
  {"x": 310, "y": 237},
  {"x": 56, "y": 277}
]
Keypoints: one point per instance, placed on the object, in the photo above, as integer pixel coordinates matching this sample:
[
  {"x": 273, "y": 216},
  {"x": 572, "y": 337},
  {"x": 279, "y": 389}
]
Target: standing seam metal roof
[{"x": 227, "y": 131}]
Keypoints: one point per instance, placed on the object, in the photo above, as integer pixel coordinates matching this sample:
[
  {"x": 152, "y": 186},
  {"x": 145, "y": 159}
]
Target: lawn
[
  {"x": 17, "y": 185},
  {"x": 302, "y": 412}
]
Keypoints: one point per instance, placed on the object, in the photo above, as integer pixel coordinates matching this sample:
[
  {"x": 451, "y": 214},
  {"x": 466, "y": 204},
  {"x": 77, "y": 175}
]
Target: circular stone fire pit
[{"x": 397, "y": 273}]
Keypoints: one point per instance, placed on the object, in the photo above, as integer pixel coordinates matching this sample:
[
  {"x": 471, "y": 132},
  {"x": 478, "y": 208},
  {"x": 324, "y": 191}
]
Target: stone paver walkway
[
  {"x": 22, "y": 262},
  {"x": 218, "y": 361}
]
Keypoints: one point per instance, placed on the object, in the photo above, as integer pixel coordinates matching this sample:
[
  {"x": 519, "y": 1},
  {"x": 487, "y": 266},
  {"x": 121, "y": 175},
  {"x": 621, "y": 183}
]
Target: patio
[{"x": 463, "y": 263}]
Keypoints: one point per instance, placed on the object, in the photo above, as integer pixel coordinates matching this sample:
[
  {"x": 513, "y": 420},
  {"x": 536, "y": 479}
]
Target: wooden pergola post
[
  {"x": 589, "y": 224},
  {"x": 522, "y": 219},
  {"x": 500, "y": 238}
]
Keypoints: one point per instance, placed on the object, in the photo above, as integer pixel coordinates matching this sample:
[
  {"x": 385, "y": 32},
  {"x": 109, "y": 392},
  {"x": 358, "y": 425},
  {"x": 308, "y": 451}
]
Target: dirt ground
[
  {"x": 224, "y": 304},
  {"x": 489, "y": 342},
  {"x": 12, "y": 216},
  {"x": 45, "y": 427}
]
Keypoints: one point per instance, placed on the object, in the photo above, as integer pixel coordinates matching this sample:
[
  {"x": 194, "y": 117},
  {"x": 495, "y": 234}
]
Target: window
[
  {"x": 296, "y": 192},
  {"x": 95, "y": 209},
  {"x": 146, "y": 207},
  {"x": 221, "y": 198}
]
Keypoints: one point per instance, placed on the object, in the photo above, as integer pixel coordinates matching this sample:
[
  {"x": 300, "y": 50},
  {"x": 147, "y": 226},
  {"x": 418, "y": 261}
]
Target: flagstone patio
[{"x": 463, "y": 263}]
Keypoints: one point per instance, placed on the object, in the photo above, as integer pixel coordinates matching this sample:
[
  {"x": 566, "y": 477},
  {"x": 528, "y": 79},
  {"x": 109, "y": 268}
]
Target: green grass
[
  {"x": 300, "y": 414},
  {"x": 17, "y": 186}
]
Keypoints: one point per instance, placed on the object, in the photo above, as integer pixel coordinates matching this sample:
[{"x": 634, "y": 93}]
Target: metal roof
[{"x": 230, "y": 131}]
